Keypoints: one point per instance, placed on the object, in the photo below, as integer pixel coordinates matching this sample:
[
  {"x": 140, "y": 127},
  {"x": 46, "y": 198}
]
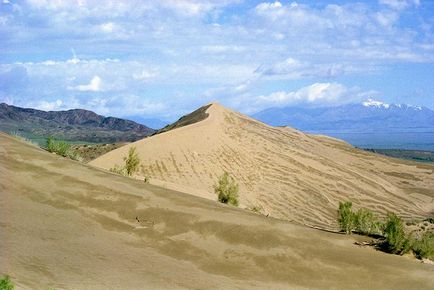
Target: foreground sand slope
[
  {"x": 289, "y": 174},
  {"x": 68, "y": 226}
]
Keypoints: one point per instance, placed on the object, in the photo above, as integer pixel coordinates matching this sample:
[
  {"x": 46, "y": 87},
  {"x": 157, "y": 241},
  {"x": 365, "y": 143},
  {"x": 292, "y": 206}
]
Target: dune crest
[{"x": 289, "y": 174}]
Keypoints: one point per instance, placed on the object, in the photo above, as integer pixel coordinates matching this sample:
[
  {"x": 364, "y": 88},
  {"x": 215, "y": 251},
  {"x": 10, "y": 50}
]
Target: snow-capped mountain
[{"x": 368, "y": 116}]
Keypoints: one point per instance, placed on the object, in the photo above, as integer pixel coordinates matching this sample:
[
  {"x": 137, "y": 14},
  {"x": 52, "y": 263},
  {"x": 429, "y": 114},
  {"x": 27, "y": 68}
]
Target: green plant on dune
[
  {"x": 397, "y": 241},
  {"x": 346, "y": 217},
  {"x": 424, "y": 246},
  {"x": 366, "y": 222},
  {"x": 132, "y": 162},
  {"x": 227, "y": 190},
  {"x": 61, "y": 148},
  {"x": 6, "y": 283}
]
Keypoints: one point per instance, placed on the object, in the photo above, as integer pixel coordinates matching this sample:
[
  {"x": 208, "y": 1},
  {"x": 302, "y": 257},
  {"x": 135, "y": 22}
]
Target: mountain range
[
  {"x": 368, "y": 116},
  {"x": 71, "y": 125}
]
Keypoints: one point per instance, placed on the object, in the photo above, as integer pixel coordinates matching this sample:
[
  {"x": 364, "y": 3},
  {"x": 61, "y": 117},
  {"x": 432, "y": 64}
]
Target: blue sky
[{"x": 165, "y": 58}]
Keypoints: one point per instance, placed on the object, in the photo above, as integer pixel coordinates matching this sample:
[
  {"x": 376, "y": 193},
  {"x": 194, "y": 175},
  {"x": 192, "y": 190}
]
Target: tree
[
  {"x": 346, "y": 217},
  {"x": 132, "y": 161},
  {"x": 396, "y": 239},
  {"x": 227, "y": 190}
]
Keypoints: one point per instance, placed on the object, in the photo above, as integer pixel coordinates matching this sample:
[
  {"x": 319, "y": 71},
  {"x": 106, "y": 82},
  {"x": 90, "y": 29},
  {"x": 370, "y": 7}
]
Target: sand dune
[
  {"x": 69, "y": 226},
  {"x": 289, "y": 174}
]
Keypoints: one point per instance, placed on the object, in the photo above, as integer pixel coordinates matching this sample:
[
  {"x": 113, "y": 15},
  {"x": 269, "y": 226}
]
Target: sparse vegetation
[
  {"x": 227, "y": 190},
  {"x": 346, "y": 217},
  {"x": 397, "y": 241},
  {"x": 132, "y": 162},
  {"x": 61, "y": 148},
  {"x": 424, "y": 247},
  {"x": 6, "y": 283},
  {"x": 366, "y": 222}
]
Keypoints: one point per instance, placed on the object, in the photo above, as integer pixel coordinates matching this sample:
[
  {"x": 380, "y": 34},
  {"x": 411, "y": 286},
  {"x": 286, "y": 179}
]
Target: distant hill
[
  {"x": 369, "y": 116},
  {"x": 71, "y": 125}
]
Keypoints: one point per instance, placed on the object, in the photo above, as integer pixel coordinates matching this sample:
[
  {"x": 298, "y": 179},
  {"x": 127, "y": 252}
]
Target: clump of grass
[
  {"x": 227, "y": 190},
  {"x": 132, "y": 163},
  {"x": 346, "y": 217},
  {"x": 61, "y": 148},
  {"x": 424, "y": 247},
  {"x": 397, "y": 241},
  {"x": 6, "y": 283},
  {"x": 366, "y": 222}
]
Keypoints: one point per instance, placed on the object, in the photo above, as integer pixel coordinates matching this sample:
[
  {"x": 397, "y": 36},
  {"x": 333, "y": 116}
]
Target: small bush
[
  {"x": 131, "y": 165},
  {"x": 6, "y": 283},
  {"x": 227, "y": 190},
  {"x": 132, "y": 161},
  {"x": 61, "y": 148},
  {"x": 366, "y": 222},
  {"x": 396, "y": 240},
  {"x": 424, "y": 247},
  {"x": 346, "y": 217},
  {"x": 119, "y": 170}
]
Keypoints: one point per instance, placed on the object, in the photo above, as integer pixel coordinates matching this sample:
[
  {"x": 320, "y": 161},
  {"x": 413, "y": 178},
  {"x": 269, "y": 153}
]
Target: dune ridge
[
  {"x": 65, "y": 225},
  {"x": 289, "y": 174}
]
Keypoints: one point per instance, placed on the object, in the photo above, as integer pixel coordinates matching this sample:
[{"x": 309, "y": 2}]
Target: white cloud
[
  {"x": 145, "y": 75},
  {"x": 93, "y": 86},
  {"x": 400, "y": 4},
  {"x": 49, "y": 106},
  {"x": 315, "y": 94}
]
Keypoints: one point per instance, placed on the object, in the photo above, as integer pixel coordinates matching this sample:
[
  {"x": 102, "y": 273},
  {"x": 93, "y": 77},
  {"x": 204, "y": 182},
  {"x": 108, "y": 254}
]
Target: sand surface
[
  {"x": 66, "y": 225},
  {"x": 288, "y": 174}
]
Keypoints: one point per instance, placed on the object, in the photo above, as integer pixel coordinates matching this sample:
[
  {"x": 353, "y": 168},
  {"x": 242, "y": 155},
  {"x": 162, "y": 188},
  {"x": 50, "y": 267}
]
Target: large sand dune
[
  {"x": 291, "y": 175},
  {"x": 69, "y": 226}
]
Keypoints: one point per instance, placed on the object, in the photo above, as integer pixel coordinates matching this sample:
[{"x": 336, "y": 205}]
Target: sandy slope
[
  {"x": 69, "y": 226},
  {"x": 289, "y": 174}
]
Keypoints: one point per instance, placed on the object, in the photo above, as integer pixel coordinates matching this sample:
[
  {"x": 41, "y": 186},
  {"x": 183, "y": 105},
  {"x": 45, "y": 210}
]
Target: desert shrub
[
  {"x": 132, "y": 161},
  {"x": 346, "y": 217},
  {"x": 227, "y": 190},
  {"x": 366, "y": 222},
  {"x": 119, "y": 170},
  {"x": 424, "y": 247},
  {"x": 61, "y": 148},
  {"x": 396, "y": 240},
  {"x": 131, "y": 165},
  {"x": 6, "y": 283}
]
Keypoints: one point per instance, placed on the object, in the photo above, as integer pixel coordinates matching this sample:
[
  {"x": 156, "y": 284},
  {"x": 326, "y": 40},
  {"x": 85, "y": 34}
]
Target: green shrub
[
  {"x": 6, "y": 283},
  {"x": 119, "y": 170},
  {"x": 346, "y": 217},
  {"x": 424, "y": 247},
  {"x": 227, "y": 190},
  {"x": 396, "y": 240},
  {"x": 132, "y": 161},
  {"x": 366, "y": 222},
  {"x": 61, "y": 148},
  {"x": 131, "y": 165}
]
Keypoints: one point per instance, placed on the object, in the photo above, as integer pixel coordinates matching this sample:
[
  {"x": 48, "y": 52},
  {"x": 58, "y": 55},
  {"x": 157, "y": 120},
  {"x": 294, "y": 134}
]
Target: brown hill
[
  {"x": 71, "y": 125},
  {"x": 289, "y": 174},
  {"x": 65, "y": 225}
]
